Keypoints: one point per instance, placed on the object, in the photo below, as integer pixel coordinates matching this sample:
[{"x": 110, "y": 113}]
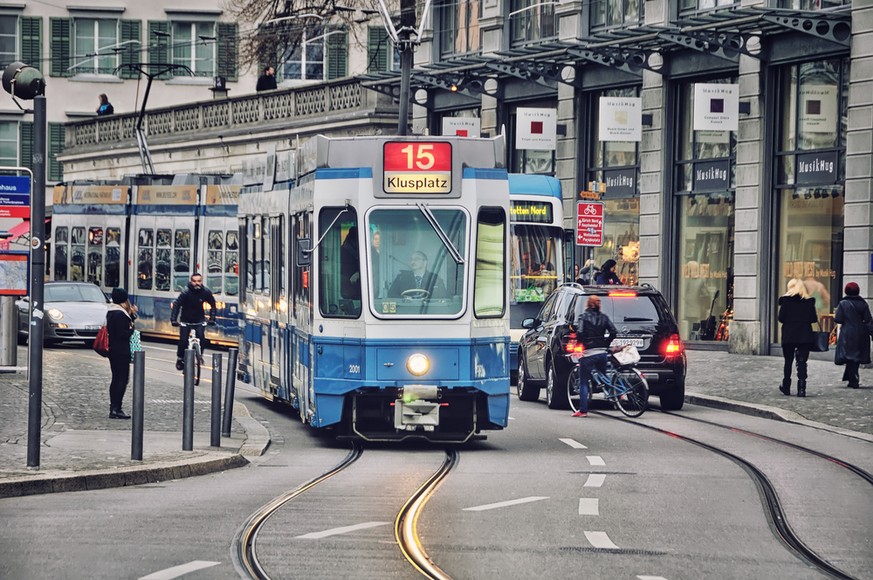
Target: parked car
[
  {"x": 642, "y": 318},
  {"x": 73, "y": 311}
]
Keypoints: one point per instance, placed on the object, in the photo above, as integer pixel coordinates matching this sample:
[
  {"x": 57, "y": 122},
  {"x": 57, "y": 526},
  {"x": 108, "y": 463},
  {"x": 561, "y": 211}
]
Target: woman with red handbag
[{"x": 119, "y": 323}]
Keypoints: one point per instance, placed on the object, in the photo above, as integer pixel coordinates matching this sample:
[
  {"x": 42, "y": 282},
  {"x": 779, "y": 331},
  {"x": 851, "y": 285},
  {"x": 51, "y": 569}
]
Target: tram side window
[
  {"x": 61, "y": 243},
  {"x": 302, "y": 229},
  {"x": 340, "y": 264},
  {"x": 181, "y": 258},
  {"x": 214, "y": 261},
  {"x": 253, "y": 239},
  {"x": 162, "y": 260},
  {"x": 95, "y": 256},
  {"x": 263, "y": 265},
  {"x": 489, "y": 296},
  {"x": 145, "y": 259},
  {"x": 112, "y": 268},
  {"x": 77, "y": 248},
  {"x": 231, "y": 263}
]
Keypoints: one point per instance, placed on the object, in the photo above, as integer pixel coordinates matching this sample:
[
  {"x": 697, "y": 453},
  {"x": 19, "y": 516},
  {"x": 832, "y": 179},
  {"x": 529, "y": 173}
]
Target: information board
[{"x": 589, "y": 223}]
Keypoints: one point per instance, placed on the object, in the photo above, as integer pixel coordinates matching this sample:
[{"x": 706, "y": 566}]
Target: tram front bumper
[{"x": 417, "y": 406}]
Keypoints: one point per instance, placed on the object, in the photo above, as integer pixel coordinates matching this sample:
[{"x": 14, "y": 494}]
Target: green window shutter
[
  {"x": 159, "y": 51},
  {"x": 131, "y": 30},
  {"x": 25, "y": 144},
  {"x": 337, "y": 49},
  {"x": 378, "y": 45},
  {"x": 228, "y": 41},
  {"x": 55, "y": 146},
  {"x": 60, "y": 46},
  {"x": 31, "y": 41}
]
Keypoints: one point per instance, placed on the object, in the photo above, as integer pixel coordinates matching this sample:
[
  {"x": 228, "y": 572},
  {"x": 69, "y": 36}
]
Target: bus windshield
[{"x": 412, "y": 272}]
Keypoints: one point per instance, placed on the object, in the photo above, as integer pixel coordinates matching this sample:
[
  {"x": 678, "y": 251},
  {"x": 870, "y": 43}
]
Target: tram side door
[{"x": 301, "y": 315}]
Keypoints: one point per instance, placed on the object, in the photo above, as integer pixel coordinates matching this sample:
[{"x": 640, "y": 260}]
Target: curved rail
[
  {"x": 405, "y": 525},
  {"x": 773, "y": 508},
  {"x": 245, "y": 556}
]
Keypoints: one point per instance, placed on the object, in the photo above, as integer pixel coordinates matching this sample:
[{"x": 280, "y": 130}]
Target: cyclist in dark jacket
[
  {"x": 188, "y": 308},
  {"x": 594, "y": 330}
]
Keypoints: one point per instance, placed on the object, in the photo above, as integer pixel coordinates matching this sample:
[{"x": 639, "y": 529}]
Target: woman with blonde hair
[{"x": 797, "y": 315}]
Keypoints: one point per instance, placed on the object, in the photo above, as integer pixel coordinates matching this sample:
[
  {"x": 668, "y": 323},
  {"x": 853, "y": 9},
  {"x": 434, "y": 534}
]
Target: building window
[
  {"x": 612, "y": 13},
  {"x": 811, "y": 147},
  {"x": 532, "y": 21},
  {"x": 9, "y": 143},
  {"x": 194, "y": 47},
  {"x": 812, "y": 4},
  {"x": 690, "y": 6},
  {"x": 459, "y": 27},
  {"x": 321, "y": 55},
  {"x": 382, "y": 55},
  {"x": 94, "y": 40},
  {"x": 8, "y": 40}
]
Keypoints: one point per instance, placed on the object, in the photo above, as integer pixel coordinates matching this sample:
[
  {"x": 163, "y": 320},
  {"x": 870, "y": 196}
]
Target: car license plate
[
  {"x": 92, "y": 327},
  {"x": 637, "y": 342}
]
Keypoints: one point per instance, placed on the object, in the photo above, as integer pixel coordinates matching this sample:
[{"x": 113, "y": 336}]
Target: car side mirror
[{"x": 529, "y": 323}]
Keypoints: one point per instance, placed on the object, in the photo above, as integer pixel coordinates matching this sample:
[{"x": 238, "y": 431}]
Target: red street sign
[{"x": 589, "y": 223}]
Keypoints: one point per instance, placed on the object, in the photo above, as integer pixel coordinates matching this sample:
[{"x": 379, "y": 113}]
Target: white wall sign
[
  {"x": 716, "y": 107},
  {"x": 621, "y": 119},
  {"x": 536, "y": 129},
  {"x": 461, "y": 126},
  {"x": 818, "y": 108}
]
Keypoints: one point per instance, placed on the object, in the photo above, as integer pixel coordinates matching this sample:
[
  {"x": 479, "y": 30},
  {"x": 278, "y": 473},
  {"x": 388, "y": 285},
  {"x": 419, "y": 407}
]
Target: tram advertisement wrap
[{"x": 412, "y": 167}]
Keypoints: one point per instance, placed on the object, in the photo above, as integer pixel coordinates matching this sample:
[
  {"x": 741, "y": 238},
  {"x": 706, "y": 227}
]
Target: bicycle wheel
[
  {"x": 197, "y": 362},
  {"x": 631, "y": 392},
  {"x": 573, "y": 390}
]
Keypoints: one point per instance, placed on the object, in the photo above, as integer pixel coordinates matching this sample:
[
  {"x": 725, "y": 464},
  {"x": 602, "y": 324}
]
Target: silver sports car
[{"x": 73, "y": 311}]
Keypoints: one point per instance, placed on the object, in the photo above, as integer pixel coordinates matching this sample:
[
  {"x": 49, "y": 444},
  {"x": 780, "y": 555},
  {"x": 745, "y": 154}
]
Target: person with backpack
[
  {"x": 188, "y": 308},
  {"x": 119, "y": 325}
]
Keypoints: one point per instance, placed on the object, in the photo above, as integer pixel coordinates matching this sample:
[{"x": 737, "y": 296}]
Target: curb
[
  {"x": 123, "y": 476},
  {"x": 768, "y": 412}
]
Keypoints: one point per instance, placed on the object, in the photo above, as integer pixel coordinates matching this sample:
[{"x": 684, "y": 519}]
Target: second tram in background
[
  {"x": 148, "y": 234},
  {"x": 537, "y": 257},
  {"x": 376, "y": 289}
]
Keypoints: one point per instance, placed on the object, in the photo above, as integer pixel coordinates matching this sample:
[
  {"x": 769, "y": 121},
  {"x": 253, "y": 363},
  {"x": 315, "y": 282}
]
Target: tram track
[
  {"x": 244, "y": 547},
  {"x": 774, "y": 512}
]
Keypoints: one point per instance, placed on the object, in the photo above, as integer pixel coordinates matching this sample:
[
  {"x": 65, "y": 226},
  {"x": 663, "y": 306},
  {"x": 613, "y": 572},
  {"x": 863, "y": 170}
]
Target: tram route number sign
[
  {"x": 414, "y": 167},
  {"x": 589, "y": 223}
]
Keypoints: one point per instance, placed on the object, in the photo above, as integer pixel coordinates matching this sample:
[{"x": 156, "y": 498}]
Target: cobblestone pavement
[{"x": 80, "y": 440}]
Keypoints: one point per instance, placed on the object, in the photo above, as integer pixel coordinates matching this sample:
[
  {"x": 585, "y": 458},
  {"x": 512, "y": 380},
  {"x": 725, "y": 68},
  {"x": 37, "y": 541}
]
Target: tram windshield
[{"x": 412, "y": 270}]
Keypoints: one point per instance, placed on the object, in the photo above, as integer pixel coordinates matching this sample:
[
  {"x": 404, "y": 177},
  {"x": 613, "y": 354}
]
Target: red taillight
[
  {"x": 572, "y": 346},
  {"x": 674, "y": 346},
  {"x": 622, "y": 294}
]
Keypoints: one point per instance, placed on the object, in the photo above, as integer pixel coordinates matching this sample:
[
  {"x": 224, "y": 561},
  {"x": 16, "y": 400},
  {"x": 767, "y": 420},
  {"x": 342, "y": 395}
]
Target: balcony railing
[{"x": 242, "y": 114}]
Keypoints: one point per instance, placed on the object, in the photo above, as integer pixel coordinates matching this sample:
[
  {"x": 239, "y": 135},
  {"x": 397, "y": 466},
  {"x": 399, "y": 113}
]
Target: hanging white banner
[
  {"x": 536, "y": 129},
  {"x": 716, "y": 107},
  {"x": 621, "y": 119}
]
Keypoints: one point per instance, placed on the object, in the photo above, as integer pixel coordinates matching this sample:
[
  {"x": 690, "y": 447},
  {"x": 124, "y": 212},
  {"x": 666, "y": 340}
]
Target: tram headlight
[
  {"x": 418, "y": 364},
  {"x": 54, "y": 314}
]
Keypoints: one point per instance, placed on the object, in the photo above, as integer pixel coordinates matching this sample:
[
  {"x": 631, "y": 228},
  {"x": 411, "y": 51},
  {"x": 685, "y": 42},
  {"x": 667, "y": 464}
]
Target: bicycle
[
  {"x": 194, "y": 344},
  {"x": 622, "y": 384}
]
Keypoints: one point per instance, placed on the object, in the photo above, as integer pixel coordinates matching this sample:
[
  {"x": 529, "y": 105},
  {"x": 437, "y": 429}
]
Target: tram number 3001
[{"x": 354, "y": 369}]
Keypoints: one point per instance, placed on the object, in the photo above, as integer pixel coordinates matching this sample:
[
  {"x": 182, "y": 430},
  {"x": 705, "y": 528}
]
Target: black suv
[{"x": 642, "y": 318}]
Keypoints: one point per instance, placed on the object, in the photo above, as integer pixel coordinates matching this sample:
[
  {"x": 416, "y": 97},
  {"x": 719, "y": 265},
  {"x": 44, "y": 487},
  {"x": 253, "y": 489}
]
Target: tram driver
[{"x": 417, "y": 277}]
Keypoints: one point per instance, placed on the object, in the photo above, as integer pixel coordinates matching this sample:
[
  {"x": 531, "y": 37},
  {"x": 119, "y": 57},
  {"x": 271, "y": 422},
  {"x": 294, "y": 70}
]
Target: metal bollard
[
  {"x": 215, "y": 425},
  {"x": 138, "y": 405},
  {"x": 228, "y": 392},
  {"x": 188, "y": 403}
]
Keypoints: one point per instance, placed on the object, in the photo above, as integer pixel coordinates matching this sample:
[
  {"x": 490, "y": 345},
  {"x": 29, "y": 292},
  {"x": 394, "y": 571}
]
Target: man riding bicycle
[
  {"x": 188, "y": 308},
  {"x": 594, "y": 330}
]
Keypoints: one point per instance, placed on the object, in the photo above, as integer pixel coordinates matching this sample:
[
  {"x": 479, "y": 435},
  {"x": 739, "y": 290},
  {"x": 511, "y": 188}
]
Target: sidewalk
[{"x": 84, "y": 449}]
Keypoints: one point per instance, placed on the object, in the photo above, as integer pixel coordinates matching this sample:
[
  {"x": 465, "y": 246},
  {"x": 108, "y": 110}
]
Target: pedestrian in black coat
[
  {"x": 797, "y": 315},
  {"x": 853, "y": 344},
  {"x": 119, "y": 325}
]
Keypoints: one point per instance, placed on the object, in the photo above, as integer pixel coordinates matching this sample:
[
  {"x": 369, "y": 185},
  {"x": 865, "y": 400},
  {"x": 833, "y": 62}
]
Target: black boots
[
  {"x": 785, "y": 387},
  {"x": 117, "y": 413},
  {"x": 801, "y": 388}
]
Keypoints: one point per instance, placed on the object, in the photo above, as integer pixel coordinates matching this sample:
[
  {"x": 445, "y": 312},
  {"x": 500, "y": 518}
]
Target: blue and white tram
[
  {"x": 376, "y": 290},
  {"x": 536, "y": 266}
]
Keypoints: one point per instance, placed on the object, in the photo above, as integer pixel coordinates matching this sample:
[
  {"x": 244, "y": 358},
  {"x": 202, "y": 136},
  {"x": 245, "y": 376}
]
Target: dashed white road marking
[
  {"x": 595, "y": 460},
  {"x": 342, "y": 530},
  {"x": 589, "y": 506},
  {"x": 600, "y": 540},
  {"x": 595, "y": 480},
  {"x": 573, "y": 443},
  {"x": 492, "y": 506},
  {"x": 181, "y": 570},
  {"x": 651, "y": 578}
]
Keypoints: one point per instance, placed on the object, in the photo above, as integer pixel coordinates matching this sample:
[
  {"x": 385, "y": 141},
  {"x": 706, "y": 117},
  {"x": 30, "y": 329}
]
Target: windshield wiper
[{"x": 441, "y": 234}]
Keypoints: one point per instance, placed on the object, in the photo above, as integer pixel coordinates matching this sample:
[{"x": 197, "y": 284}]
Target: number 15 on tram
[{"x": 375, "y": 293}]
